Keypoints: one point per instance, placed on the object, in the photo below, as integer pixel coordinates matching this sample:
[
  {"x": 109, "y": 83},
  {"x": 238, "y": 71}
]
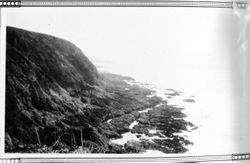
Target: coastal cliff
[{"x": 57, "y": 101}]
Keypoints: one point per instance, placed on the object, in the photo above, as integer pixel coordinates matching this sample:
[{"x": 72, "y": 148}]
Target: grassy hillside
[{"x": 56, "y": 100}]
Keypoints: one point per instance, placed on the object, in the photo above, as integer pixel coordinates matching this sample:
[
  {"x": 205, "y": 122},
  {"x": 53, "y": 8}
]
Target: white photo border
[{"x": 86, "y": 157}]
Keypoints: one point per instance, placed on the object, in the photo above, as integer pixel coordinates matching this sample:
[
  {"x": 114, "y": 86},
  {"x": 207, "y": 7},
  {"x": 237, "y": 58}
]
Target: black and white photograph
[{"x": 150, "y": 81}]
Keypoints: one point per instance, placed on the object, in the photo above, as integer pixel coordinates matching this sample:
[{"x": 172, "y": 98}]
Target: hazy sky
[{"x": 184, "y": 48}]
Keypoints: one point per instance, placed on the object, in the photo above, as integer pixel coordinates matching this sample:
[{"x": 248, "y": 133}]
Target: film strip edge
[
  {"x": 16, "y": 3},
  {"x": 117, "y": 3},
  {"x": 234, "y": 157},
  {"x": 181, "y": 159},
  {"x": 241, "y": 156},
  {"x": 242, "y": 4}
]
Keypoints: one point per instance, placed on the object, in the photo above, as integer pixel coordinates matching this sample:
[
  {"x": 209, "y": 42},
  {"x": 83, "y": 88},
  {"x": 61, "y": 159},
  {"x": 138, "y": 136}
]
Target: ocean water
[
  {"x": 214, "y": 116},
  {"x": 213, "y": 113}
]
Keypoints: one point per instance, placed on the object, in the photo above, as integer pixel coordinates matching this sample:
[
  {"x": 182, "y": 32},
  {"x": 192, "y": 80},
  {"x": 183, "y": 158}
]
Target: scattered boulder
[
  {"x": 136, "y": 114},
  {"x": 144, "y": 118},
  {"x": 122, "y": 123},
  {"x": 133, "y": 146},
  {"x": 189, "y": 100},
  {"x": 154, "y": 101},
  {"x": 115, "y": 148},
  {"x": 140, "y": 129}
]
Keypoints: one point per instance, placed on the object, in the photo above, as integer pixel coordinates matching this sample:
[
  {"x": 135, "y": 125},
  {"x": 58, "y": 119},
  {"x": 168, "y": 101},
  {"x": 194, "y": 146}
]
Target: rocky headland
[{"x": 57, "y": 102}]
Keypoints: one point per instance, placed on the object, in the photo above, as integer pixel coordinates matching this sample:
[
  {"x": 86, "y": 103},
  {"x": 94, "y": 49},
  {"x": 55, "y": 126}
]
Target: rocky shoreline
[
  {"x": 57, "y": 102},
  {"x": 155, "y": 128}
]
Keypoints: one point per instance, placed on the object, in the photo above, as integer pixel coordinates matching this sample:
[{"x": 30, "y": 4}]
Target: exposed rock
[
  {"x": 189, "y": 100},
  {"x": 115, "y": 148},
  {"x": 144, "y": 118},
  {"x": 172, "y": 92},
  {"x": 133, "y": 146},
  {"x": 136, "y": 114},
  {"x": 171, "y": 146},
  {"x": 57, "y": 102},
  {"x": 155, "y": 100},
  {"x": 122, "y": 123},
  {"x": 117, "y": 113},
  {"x": 140, "y": 129}
]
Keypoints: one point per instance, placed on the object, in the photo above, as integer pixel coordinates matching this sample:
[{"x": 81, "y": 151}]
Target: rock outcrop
[{"x": 57, "y": 102}]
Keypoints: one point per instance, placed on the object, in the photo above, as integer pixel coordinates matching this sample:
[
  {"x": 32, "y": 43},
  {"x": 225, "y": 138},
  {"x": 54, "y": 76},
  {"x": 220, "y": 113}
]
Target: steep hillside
[
  {"x": 56, "y": 101},
  {"x": 49, "y": 82}
]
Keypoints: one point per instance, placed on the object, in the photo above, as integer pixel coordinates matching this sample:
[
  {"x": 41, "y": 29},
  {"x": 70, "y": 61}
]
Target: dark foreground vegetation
[{"x": 57, "y": 102}]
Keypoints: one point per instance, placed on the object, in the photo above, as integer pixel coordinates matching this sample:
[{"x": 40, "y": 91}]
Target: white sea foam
[
  {"x": 206, "y": 112},
  {"x": 145, "y": 110},
  {"x": 125, "y": 138},
  {"x": 109, "y": 120},
  {"x": 131, "y": 126}
]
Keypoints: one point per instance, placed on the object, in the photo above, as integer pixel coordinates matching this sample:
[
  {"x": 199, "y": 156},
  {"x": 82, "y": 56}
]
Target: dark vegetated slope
[
  {"x": 56, "y": 101},
  {"x": 49, "y": 88}
]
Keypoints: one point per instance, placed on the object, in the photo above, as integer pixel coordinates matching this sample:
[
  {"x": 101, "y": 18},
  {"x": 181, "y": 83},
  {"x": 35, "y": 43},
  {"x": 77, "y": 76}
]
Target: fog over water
[{"x": 190, "y": 50}]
